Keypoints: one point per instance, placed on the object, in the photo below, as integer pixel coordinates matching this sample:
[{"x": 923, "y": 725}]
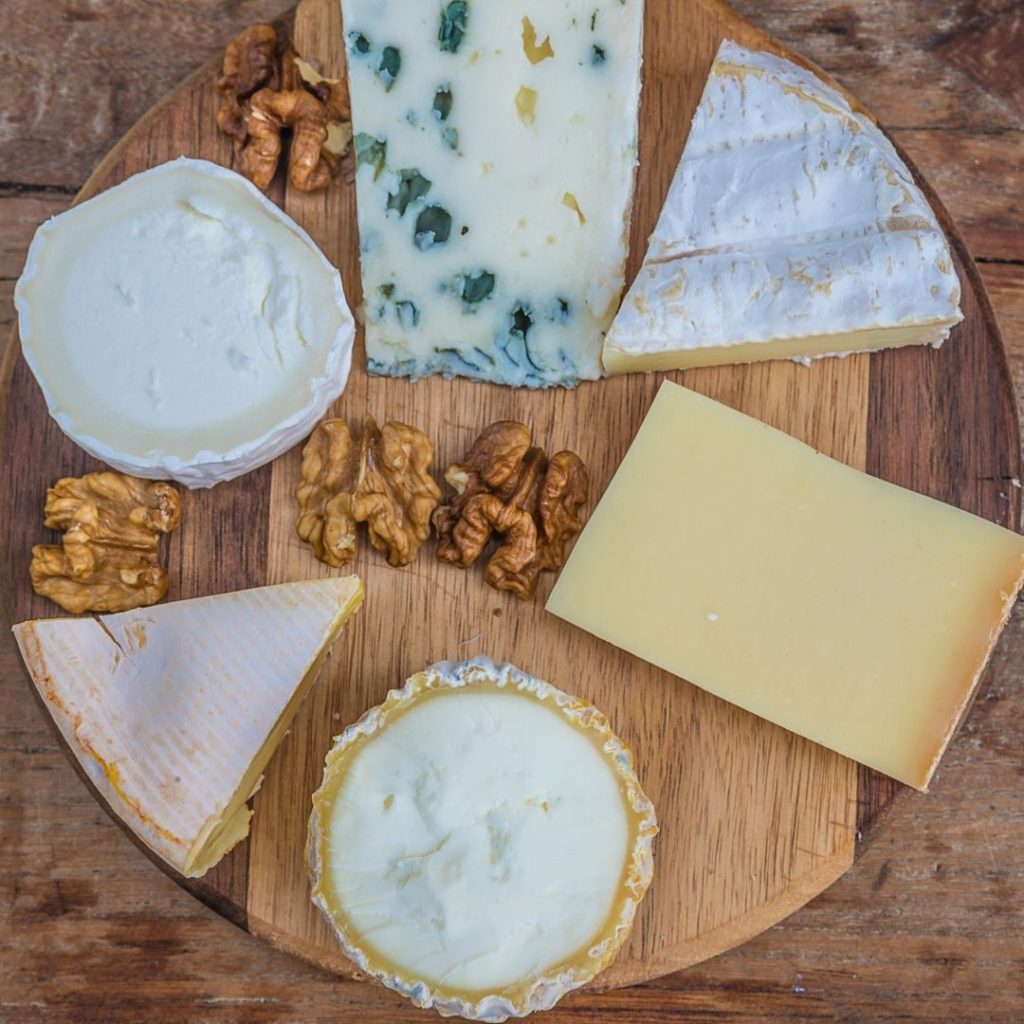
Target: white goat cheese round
[
  {"x": 181, "y": 325},
  {"x": 480, "y": 841}
]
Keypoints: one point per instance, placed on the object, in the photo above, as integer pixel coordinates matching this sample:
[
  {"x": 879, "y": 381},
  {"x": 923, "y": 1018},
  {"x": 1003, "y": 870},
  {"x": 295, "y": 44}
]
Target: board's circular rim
[{"x": 767, "y": 914}]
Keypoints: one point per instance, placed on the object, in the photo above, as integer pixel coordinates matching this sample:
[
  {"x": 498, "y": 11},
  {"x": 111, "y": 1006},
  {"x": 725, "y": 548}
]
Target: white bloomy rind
[
  {"x": 538, "y": 991},
  {"x": 792, "y": 229},
  {"x": 181, "y": 325},
  {"x": 173, "y": 711}
]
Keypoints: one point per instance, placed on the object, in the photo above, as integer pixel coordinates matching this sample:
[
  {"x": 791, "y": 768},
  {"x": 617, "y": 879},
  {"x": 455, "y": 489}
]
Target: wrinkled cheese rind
[
  {"x": 181, "y": 325},
  {"x": 496, "y": 148},
  {"x": 834, "y": 274},
  {"x": 846, "y": 609},
  {"x": 480, "y": 841},
  {"x": 173, "y": 711},
  {"x": 790, "y": 215}
]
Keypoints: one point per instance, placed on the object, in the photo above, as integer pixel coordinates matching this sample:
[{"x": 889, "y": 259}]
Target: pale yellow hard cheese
[{"x": 846, "y": 609}]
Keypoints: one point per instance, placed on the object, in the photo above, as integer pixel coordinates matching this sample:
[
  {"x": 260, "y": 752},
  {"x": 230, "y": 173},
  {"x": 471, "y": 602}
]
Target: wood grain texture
[
  {"x": 647, "y": 1006},
  {"x": 775, "y": 814},
  {"x": 925, "y": 927}
]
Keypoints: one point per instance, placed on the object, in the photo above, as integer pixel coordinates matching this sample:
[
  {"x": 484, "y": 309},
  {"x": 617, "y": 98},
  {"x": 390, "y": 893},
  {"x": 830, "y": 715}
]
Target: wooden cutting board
[{"x": 755, "y": 821}]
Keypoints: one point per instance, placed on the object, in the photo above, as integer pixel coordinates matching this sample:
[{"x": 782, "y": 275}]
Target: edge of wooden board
[
  {"x": 624, "y": 972},
  {"x": 879, "y": 797}
]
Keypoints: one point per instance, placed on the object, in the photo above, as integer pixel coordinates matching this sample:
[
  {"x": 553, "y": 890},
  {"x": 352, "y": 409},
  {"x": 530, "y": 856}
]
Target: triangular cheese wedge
[
  {"x": 173, "y": 711},
  {"x": 792, "y": 229}
]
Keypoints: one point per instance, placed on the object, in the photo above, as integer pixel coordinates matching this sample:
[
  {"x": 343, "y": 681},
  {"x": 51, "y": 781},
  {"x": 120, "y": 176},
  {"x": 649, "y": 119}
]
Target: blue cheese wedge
[
  {"x": 792, "y": 229},
  {"x": 496, "y": 146},
  {"x": 480, "y": 841},
  {"x": 174, "y": 711},
  {"x": 181, "y": 325}
]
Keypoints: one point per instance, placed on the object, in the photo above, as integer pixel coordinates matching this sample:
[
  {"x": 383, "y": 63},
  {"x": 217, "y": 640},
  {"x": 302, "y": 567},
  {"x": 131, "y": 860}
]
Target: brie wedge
[
  {"x": 181, "y": 325},
  {"x": 792, "y": 229},
  {"x": 480, "y": 841},
  {"x": 174, "y": 711}
]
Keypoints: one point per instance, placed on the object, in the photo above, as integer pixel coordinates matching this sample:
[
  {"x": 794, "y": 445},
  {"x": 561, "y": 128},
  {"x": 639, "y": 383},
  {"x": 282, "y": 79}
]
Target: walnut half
[
  {"x": 382, "y": 479},
  {"x": 107, "y": 559},
  {"x": 507, "y": 487},
  {"x": 267, "y": 89}
]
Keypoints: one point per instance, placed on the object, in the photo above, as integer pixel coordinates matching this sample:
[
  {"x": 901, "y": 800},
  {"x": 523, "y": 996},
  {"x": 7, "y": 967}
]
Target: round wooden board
[{"x": 755, "y": 821}]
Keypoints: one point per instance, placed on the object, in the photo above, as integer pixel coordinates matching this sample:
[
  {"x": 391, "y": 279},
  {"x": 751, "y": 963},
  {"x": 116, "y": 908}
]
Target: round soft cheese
[
  {"x": 181, "y": 325},
  {"x": 480, "y": 841}
]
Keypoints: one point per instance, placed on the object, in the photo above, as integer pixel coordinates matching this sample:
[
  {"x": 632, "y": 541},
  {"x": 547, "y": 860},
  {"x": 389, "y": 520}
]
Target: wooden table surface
[{"x": 928, "y": 926}]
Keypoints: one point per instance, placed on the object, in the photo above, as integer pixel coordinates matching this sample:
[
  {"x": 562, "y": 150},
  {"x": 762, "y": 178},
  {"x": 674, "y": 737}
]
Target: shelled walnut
[
  {"x": 107, "y": 559},
  {"x": 382, "y": 479},
  {"x": 507, "y": 487},
  {"x": 268, "y": 88}
]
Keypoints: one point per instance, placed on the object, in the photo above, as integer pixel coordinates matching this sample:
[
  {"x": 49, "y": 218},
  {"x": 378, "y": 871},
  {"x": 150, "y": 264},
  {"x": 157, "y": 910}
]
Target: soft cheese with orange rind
[{"x": 174, "y": 711}]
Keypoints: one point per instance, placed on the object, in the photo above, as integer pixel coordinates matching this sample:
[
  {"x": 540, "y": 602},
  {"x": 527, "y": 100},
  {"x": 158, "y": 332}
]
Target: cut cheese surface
[
  {"x": 173, "y": 711},
  {"x": 496, "y": 148},
  {"x": 792, "y": 229},
  {"x": 181, "y": 325},
  {"x": 480, "y": 841},
  {"x": 849, "y": 610}
]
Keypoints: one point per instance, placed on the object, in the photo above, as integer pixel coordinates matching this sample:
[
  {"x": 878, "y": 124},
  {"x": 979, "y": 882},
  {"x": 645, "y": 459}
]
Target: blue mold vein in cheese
[{"x": 496, "y": 150}]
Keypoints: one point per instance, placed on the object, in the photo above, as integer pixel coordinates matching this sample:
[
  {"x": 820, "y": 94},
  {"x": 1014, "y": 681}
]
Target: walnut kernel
[
  {"x": 267, "y": 89},
  {"x": 505, "y": 486},
  {"x": 107, "y": 559},
  {"x": 382, "y": 480}
]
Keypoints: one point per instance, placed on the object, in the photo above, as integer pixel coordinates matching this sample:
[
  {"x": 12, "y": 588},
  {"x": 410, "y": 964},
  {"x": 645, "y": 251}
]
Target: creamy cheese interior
[
  {"x": 176, "y": 313},
  {"x": 478, "y": 839},
  {"x": 174, "y": 711}
]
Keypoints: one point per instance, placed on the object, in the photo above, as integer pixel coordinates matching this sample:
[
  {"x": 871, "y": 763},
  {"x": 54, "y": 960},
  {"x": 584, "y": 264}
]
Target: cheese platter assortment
[{"x": 546, "y": 330}]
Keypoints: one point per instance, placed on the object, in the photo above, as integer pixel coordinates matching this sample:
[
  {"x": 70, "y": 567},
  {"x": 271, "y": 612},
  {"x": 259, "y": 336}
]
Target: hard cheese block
[
  {"x": 173, "y": 711},
  {"x": 851, "y": 611},
  {"x": 496, "y": 146},
  {"x": 792, "y": 229}
]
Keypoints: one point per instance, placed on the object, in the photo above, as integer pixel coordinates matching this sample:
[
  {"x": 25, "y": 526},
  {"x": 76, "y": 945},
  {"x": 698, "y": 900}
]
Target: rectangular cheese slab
[
  {"x": 496, "y": 146},
  {"x": 846, "y": 609}
]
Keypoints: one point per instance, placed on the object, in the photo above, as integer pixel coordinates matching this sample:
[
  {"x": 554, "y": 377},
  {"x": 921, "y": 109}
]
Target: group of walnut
[{"x": 505, "y": 488}]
